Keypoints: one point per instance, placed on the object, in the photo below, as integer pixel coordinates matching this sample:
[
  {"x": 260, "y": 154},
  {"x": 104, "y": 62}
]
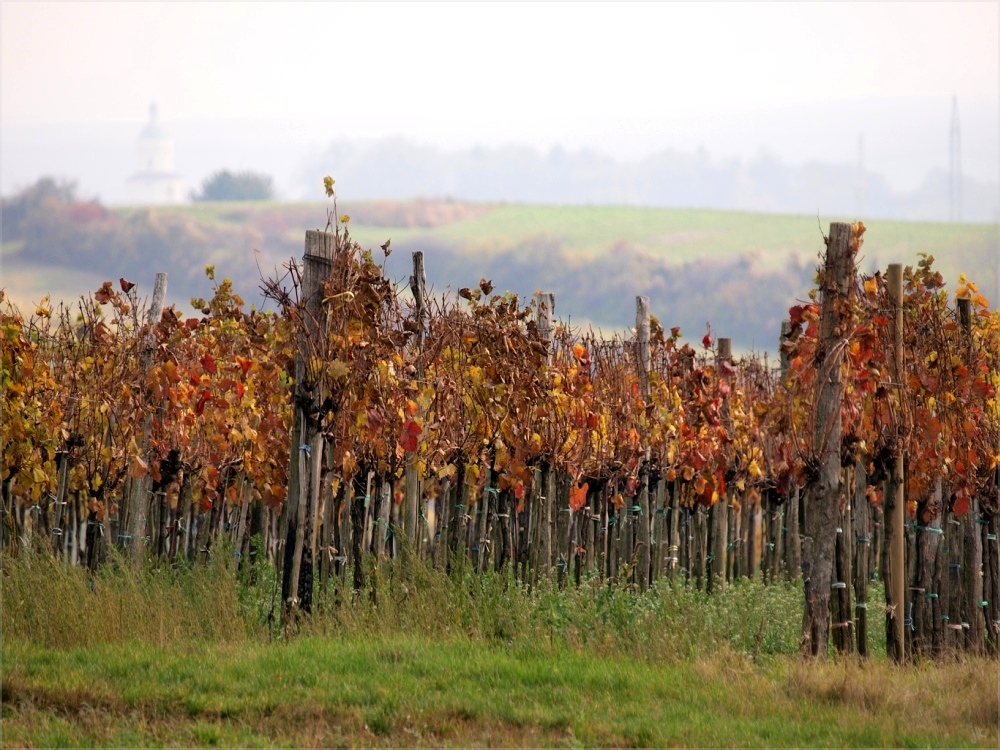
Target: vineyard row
[{"x": 361, "y": 420}]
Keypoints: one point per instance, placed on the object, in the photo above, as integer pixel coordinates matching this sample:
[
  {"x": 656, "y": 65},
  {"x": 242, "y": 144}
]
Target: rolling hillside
[{"x": 737, "y": 271}]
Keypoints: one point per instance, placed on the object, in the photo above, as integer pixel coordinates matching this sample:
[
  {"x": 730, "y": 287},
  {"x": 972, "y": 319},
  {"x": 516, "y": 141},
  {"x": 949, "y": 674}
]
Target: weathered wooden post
[
  {"x": 719, "y": 512},
  {"x": 843, "y": 636},
  {"x": 306, "y": 439},
  {"x": 862, "y": 537},
  {"x": 895, "y": 504},
  {"x": 643, "y": 363},
  {"x": 137, "y": 508},
  {"x": 543, "y": 494},
  {"x": 793, "y": 539},
  {"x": 974, "y": 609},
  {"x": 418, "y": 283},
  {"x": 836, "y": 286}
]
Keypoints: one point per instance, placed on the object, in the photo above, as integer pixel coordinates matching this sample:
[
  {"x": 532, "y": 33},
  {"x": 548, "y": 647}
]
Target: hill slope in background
[{"x": 737, "y": 271}]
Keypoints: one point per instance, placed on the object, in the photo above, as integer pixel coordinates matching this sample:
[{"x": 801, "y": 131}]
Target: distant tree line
[{"x": 235, "y": 186}]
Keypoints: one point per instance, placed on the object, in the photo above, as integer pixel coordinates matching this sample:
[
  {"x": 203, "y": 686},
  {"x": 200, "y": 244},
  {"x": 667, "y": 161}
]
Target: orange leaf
[
  {"x": 139, "y": 467},
  {"x": 578, "y": 496}
]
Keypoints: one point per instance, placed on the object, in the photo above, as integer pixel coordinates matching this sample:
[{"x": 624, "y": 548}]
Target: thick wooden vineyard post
[
  {"x": 991, "y": 584},
  {"x": 895, "y": 504},
  {"x": 138, "y": 501},
  {"x": 837, "y": 284},
  {"x": 793, "y": 539},
  {"x": 418, "y": 282},
  {"x": 543, "y": 495},
  {"x": 720, "y": 510},
  {"x": 843, "y": 635},
  {"x": 643, "y": 363},
  {"x": 974, "y": 609},
  {"x": 307, "y": 442}
]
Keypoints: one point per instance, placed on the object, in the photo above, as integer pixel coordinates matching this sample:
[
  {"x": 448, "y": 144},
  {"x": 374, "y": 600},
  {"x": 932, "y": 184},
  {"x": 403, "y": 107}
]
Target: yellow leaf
[{"x": 754, "y": 470}]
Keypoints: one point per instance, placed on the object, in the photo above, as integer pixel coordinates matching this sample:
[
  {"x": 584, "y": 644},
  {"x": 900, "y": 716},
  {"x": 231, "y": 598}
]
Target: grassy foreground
[
  {"x": 184, "y": 657},
  {"x": 406, "y": 691}
]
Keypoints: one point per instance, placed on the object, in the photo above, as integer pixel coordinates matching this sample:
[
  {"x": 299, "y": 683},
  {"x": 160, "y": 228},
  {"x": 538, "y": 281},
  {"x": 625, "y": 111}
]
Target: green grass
[
  {"x": 408, "y": 690},
  {"x": 185, "y": 657}
]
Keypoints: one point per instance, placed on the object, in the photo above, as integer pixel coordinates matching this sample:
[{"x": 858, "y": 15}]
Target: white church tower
[{"x": 154, "y": 180}]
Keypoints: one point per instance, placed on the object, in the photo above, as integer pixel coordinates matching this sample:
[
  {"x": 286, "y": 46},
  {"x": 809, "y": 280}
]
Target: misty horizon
[{"x": 100, "y": 158}]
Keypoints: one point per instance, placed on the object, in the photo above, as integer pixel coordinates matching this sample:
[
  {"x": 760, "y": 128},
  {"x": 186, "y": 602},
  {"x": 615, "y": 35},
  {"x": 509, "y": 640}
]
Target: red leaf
[
  {"x": 706, "y": 341},
  {"x": 408, "y": 436},
  {"x": 961, "y": 504},
  {"x": 209, "y": 364},
  {"x": 245, "y": 365},
  {"x": 126, "y": 285},
  {"x": 983, "y": 389}
]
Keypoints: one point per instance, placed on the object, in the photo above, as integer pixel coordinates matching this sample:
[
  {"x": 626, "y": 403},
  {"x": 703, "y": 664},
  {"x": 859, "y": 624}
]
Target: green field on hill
[{"x": 673, "y": 234}]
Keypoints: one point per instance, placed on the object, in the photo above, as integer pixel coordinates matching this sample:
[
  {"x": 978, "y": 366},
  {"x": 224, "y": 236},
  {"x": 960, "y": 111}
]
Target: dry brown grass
[{"x": 967, "y": 689}]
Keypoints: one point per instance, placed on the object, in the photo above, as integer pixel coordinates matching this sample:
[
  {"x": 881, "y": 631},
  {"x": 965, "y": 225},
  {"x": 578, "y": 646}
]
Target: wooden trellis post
[
  {"x": 306, "y": 439},
  {"x": 895, "y": 599},
  {"x": 793, "y": 539},
  {"x": 643, "y": 363},
  {"x": 974, "y": 607},
  {"x": 418, "y": 282},
  {"x": 543, "y": 493},
  {"x": 862, "y": 537},
  {"x": 138, "y": 501},
  {"x": 719, "y": 512},
  {"x": 837, "y": 283}
]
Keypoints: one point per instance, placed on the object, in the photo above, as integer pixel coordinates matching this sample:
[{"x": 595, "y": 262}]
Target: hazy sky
[{"x": 624, "y": 79}]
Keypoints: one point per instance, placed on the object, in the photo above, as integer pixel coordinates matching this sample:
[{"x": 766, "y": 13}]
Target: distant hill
[{"x": 737, "y": 271}]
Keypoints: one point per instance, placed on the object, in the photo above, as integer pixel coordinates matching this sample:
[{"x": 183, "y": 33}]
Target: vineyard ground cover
[{"x": 184, "y": 656}]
